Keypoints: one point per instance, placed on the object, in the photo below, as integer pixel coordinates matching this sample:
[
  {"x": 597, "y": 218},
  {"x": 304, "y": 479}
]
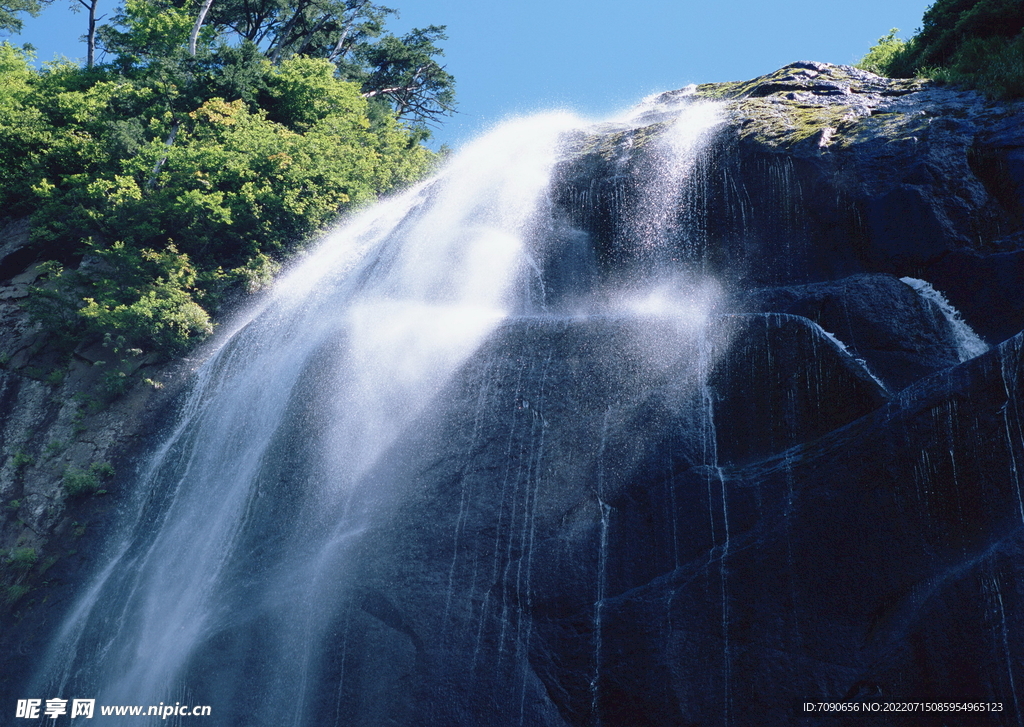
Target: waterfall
[
  {"x": 968, "y": 343},
  {"x": 244, "y": 532}
]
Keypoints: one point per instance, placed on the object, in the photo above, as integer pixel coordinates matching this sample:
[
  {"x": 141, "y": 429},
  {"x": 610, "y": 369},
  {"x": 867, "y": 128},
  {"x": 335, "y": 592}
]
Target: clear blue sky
[{"x": 594, "y": 56}]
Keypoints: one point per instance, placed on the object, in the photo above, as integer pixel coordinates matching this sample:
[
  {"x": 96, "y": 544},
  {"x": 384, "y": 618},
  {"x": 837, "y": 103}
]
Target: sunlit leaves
[
  {"x": 156, "y": 195},
  {"x": 144, "y": 296},
  {"x": 976, "y": 43},
  {"x": 145, "y": 31}
]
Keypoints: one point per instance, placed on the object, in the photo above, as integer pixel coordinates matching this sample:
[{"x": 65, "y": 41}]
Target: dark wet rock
[
  {"x": 822, "y": 172},
  {"x": 15, "y": 253},
  {"x": 900, "y": 335},
  {"x": 986, "y": 288},
  {"x": 566, "y": 555},
  {"x": 756, "y": 522},
  {"x": 879, "y": 555},
  {"x": 783, "y": 381}
]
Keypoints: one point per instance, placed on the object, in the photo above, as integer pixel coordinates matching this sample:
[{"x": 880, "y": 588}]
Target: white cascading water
[
  {"x": 374, "y": 321},
  {"x": 968, "y": 343}
]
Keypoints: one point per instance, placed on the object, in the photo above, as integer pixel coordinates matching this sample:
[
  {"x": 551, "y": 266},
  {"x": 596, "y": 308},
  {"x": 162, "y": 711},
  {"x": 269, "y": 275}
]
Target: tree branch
[{"x": 203, "y": 10}]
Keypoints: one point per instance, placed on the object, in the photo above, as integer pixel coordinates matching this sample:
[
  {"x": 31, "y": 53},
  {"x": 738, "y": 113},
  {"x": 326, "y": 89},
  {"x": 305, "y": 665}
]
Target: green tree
[
  {"x": 25, "y": 131},
  {"x": 186, "y": 169},
  {"x": 147, "y": 33},
  {"x": 406, "y": 73},
  {"x": 325, "y": 28},
  {"x": 402, "y": 71},
  {"x": 950, "y": 24},
  {"x": 170, "y": 228},
  {"x": 147, "y": 298},
  {"x": 10, "y": 11},
  {"x": 977, "y": 43}
]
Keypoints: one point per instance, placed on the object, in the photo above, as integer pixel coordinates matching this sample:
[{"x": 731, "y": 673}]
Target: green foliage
[
  {"x": 949, "y": 24},
  {"x": 102, "y": 469},
  {"x": 24, "y": 133},
  {"x": 81, "y": 483},
  {"x": 303, "y": 91},
  {"x": 55, "y": 447},
  {"x": 144, "y": 298},
  {"x": 350, "y": 35},
  {"x": 880, "y": 56},
  {"x": 165, "y": 180},
  {"x": 405, "y": 72},
  {"x": 10, "y": 9},
  {"x": 147, "y": 31},
  {"x": 22, "y": 559},
  {"x": 994, "y": 66},
  {"x": 17, "y": 73},
  {"x": 20, "y": 460},
  {"x": 91, "y": 403},
  {"x": 975, "y": 43},
  {"x": 54, "y": 303},
  {"x": 14, "y": 593}
]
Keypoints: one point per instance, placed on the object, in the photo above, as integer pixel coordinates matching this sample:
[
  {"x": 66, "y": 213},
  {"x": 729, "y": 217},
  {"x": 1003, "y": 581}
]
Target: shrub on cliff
[
  {"x": 881, "y": 55},
  {"x": 975, "y": 43}
]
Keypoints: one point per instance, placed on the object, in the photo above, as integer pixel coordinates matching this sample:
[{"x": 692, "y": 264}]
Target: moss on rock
[{"x": 770, "y": 121}]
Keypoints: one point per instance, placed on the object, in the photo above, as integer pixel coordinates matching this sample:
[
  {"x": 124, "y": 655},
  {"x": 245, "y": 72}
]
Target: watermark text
[{"x": 86, "y": 708}]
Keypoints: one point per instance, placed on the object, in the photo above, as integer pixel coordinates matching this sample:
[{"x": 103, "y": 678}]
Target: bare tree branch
[{"x": 203, "y": 10}]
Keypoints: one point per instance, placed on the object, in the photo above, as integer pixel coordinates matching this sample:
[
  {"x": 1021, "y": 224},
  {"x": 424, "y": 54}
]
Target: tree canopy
[
  {"x": 210, "y": 142},
  {"x": 402, "y": 71},
  {"x": 351, "y": 34},
  {"x": 10, "y": 13},
  {"x": 976, "y": 43}
]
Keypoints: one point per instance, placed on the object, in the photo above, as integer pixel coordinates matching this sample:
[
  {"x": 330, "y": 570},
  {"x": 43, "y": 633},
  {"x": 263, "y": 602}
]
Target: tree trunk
[
  {"x": 90, "y": 56},
  {"x": 168, "y": 144},
  {"x": 281, "y": 40},
  {"x": 199, "y": 24}
]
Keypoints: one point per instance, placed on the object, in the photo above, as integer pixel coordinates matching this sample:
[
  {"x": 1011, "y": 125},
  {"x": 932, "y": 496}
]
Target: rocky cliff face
[
  {"x": 67, "y": 436},
  {"x": 828, "y": 171},
  {"x": 600, "y": 570},
  {"x": 635, "y": 520}
]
